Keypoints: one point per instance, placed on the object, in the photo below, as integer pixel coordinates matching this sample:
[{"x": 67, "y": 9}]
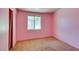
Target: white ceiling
[{"x": 42, "y": 10}]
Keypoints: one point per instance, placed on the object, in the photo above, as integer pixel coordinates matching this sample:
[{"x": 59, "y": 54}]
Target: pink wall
[
  {"x": 67, "y": 25},
  {"x": 21, "y": 26}
]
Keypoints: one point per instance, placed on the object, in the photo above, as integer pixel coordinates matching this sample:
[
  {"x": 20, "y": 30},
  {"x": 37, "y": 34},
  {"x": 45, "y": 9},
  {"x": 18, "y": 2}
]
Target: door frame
[{"x": 10, "y": 29}]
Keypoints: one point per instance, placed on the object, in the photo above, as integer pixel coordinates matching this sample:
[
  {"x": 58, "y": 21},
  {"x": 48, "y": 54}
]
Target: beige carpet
[{"x": 44, "y": 44}]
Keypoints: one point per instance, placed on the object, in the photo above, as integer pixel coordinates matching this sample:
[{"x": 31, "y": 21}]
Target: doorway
[{"x": 10, "y": 28}]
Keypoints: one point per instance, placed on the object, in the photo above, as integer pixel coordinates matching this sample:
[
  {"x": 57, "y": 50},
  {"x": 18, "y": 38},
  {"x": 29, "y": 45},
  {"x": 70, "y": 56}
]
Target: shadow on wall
[{"x": 67, "y": 25}]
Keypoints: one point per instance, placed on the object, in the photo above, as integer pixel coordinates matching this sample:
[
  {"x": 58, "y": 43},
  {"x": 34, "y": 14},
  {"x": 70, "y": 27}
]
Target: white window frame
[{"x": 34, "y": 23}]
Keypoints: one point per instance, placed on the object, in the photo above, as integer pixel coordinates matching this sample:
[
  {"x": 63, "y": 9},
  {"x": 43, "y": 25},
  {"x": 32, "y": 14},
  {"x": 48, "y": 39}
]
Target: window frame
[{"x": 34, "y": 22}]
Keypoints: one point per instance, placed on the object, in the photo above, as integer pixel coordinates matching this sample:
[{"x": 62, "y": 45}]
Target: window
[{"x": 34, "y": 22}]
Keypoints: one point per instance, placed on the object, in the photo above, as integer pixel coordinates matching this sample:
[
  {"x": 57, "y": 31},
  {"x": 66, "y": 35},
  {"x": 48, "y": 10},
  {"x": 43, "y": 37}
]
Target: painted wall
[
  {"x": 67, "y": 26},
  {"x": 4, "y": 28},
  {"x": 21, "y": 26}
]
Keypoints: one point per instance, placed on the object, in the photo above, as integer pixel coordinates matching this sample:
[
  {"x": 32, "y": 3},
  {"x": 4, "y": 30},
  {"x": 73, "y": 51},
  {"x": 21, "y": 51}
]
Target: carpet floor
[{"x": 43, "y": 44}]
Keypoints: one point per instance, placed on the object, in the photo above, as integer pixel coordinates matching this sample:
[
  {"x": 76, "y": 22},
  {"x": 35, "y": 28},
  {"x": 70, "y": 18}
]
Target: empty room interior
[{"x": 39, "y": 29}]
